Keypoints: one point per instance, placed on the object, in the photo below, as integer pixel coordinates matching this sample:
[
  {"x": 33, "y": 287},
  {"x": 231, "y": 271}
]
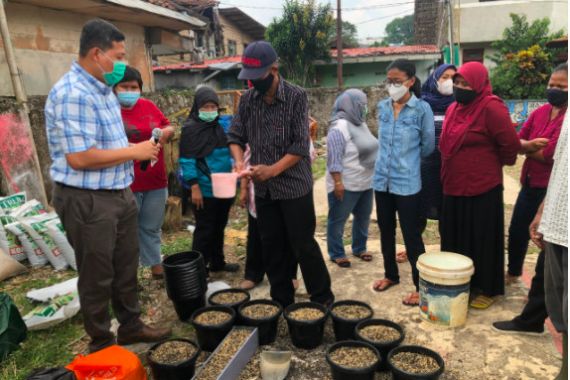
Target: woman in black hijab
[{"x": 203, "y": 151}]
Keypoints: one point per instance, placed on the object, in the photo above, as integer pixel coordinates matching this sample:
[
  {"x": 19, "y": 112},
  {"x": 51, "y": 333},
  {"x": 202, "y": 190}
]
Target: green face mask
[
  {"x": 115, "y": 76},
  {"x": 208, "y": 116}
]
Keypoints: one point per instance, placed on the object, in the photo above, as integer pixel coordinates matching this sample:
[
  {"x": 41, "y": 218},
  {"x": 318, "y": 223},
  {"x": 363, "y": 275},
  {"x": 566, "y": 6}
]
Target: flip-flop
[
  {"x": 481, "y": 302},
  {"x": 343, "y": 262},
  {"x": 401, "y": 257},
  {"x": 406, "y": 301},
  {"x": 377, "y": 285},
  {"x": 363, "y": 256}
]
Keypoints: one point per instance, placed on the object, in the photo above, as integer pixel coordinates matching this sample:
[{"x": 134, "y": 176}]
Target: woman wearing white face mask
[
  {"x": 437, "y": 91},
  {"x": 140, "y": 117},
  {"x": 406, "y": 134}
]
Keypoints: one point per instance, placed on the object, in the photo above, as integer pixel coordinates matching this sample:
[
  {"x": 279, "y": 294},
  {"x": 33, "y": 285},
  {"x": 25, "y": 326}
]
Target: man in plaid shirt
[{"x": 92, "y": 169}]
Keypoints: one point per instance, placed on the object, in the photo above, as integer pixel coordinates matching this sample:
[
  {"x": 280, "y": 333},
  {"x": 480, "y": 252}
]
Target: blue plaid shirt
[{"x": 83, "y": 113}]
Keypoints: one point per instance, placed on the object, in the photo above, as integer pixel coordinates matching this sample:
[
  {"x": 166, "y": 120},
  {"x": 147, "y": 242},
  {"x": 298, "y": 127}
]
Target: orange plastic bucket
[{"x": 224, "y": 185}]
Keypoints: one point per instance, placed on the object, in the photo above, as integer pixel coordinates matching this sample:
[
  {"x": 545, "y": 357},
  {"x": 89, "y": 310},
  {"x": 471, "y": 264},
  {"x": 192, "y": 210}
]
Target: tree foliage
[
  {"x": 349, "y": 36},
  {"x": 400, "y": 31},
  {"x": 523, "y": 62},
  {"x": 301, "y": 36}
]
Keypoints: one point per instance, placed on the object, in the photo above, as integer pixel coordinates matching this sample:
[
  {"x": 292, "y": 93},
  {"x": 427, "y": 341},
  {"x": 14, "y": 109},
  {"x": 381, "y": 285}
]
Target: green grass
[{"x": 319, "y": 167}]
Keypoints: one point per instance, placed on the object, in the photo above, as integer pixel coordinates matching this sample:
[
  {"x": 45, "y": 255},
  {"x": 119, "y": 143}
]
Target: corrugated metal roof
[
  {"x": 199, "y": 66},
  {"x": 388, "y": 50}
]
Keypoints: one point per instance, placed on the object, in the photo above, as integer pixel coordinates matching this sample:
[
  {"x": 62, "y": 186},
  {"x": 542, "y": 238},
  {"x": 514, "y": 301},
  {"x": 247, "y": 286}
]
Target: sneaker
[{"x": 511, "y": 327}]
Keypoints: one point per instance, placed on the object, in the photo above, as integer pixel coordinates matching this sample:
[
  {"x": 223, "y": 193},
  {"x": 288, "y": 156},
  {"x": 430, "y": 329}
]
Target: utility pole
[
  {"x": 450, "y": 24},
  {"x": 338, "y": 44}
]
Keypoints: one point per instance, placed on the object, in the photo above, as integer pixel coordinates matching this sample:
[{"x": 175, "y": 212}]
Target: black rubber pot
[
  {"x": 210, "y": 336},
  {"x": 344, "y": 373},
  {"x": 266, "y": 327},
  {"x": 344, "y": 328},
  {"x": 180, "y": 371},
  {"x": 306, "y": 334},
  {"x": 186, "y": 284},
  {"x": 382, "y": 347},
  {"x": 398, "y": 374},
  {"x": 234, "y": 305}
]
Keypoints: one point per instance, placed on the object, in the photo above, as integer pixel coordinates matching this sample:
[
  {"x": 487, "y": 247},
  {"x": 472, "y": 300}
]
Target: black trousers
[
  {"x": 408, "y": 209},
  {"x": 534, "y": 312},
  {"x": 211, "y": 222},
  {"x": 287, "y": 230},
  {"x": 527, "y": 204},
  {"x": 254, "y": 268}
]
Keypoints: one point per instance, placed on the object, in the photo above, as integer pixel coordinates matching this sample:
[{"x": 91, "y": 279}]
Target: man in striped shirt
[
  {"x": 92, "y": 169},
  {"x": 273, "y": 119}
]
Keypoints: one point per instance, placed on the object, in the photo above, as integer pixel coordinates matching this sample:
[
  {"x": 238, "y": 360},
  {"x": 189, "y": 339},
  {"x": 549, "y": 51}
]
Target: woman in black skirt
[{"x": 477, "y": 140}]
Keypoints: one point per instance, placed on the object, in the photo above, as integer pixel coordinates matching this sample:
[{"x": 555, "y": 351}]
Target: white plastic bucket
[
  {"x": 224, "y": 185},
  {"x": 444, "y": 287}
]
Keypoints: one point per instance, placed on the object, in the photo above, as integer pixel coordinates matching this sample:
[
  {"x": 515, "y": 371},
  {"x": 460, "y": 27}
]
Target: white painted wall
[{"x": 486, "y": 21}]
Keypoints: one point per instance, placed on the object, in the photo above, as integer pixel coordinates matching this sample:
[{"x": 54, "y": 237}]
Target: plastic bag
[
  {"x": 113, "y": 362},
  {"x": 58, "y": 310},
  {"x": 29, "y": 208},
  {"x": 9, "y": 267},
  {"x": 9, "y": 242},
  {"x": 37, "y": 230},
  {"x": 34, "y": 253},
  {"x": 12, "y": 328},
  {"x": 12, "y": 201},
  {"x": 57, "y": 232},
  {"x": 57, "y": 373}
]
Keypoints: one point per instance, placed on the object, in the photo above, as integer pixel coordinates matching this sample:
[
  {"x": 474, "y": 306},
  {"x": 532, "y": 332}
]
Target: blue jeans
[
  {"x": 357, "y": 203},
  {"x": 152, "y": 205}
]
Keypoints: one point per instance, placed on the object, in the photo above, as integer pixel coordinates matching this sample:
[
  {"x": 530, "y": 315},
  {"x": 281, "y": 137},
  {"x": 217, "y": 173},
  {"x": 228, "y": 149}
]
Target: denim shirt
[{"x": 402, "y": 144}]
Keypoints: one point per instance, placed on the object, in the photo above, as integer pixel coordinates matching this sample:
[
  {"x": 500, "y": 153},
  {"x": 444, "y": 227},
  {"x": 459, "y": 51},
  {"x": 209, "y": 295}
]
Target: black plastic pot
[
  {"x": 382, "y": 347},
  {"x": 398, "y": 374},
  {"x": 186, "y": 284},
  {"x": 266, "y": 327},
  {"x": 344, "y": 328},
  {"x": 181, "y": 371},
  {"x": 234, "y": 305},
  {"x": 306, "y": 334},
  {"x": 210, "y": 336},
  {"x": 344, "y": 373}
]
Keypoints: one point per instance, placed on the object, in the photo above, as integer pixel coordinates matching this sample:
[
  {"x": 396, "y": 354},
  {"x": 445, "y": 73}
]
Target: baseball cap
[{"x": 256, "y": 60}]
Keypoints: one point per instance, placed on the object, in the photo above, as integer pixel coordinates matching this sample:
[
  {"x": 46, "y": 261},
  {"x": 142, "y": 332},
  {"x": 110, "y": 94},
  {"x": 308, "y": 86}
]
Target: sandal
[
  {"x": 365, "y": 256},
  {"x": 481, "y": 302},
  {"x": 343, "y": 262},
  {"x": 412, "y": 299},
  {"x": 401, "y": 257},
  {"x": 383, "y": 285}
]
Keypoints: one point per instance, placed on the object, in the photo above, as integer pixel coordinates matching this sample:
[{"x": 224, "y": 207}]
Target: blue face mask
[
  {"x": 128, "y": 98},
  {"x": 207, "y": 116}
]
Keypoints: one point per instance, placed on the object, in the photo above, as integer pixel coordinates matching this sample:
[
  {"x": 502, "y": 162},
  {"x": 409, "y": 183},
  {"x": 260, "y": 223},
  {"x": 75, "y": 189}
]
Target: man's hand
[
  {"x": 339, "y": 191},
  {"x": 536, "y": 237},
  {"x": 146, "y": 150},
  {"x": 197, "y": 199},
  {"x": 238, "y": 166},
  {"x": 262, "y": 173}
]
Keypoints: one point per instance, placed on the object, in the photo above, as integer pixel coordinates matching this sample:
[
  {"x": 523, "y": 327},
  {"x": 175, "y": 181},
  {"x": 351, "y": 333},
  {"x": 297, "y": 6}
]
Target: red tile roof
[
  {"x": 388, "y": 50},
  {"x": 347, "y": 53},
  {"x": 198, "y": 66}
]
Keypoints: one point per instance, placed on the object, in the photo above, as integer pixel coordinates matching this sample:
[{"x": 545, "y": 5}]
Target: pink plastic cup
[{"x": 224, "y": 185}]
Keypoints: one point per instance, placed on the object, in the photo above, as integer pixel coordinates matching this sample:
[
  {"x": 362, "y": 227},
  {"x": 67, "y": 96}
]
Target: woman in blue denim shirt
[{"x": 406, "y": 134}]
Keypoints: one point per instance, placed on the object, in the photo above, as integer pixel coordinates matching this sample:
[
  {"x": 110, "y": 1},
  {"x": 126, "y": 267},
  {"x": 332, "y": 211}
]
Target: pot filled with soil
[
  {"x": 415, "y": 363},
  {"x": 306, "y": 322},
  {"x": 233, "y": 298},
  {"x": 212, "y": 324},
  {"x": 382, "y": 334},
  {"x": 353, "y": 360},
  {"x": 263, "y": 314},
  {"x": 174, "y": 359},
  {"x": 186, "y": 284},
  {"x": 346, "y": 315}
]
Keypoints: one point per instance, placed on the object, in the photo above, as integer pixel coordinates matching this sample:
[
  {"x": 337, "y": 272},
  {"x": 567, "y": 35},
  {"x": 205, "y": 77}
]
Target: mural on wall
[{"x": 521, "y": 109}]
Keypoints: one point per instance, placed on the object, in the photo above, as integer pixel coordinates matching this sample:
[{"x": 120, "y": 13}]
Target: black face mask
[
  {"x": 263, "y": 85},
  {"x": 557, "y": 97},
  {"x": 464, "y": 96}
]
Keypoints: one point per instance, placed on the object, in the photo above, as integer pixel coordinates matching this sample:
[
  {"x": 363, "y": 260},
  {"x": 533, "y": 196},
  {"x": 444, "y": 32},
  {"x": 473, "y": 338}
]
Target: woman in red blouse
[
  {"x": 477, "y": 140},
  {"x": 140, "y": 117}
]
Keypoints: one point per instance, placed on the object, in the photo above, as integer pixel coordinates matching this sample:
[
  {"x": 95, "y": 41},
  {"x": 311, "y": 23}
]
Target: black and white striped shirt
[{"x": 272, "y": 131}]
